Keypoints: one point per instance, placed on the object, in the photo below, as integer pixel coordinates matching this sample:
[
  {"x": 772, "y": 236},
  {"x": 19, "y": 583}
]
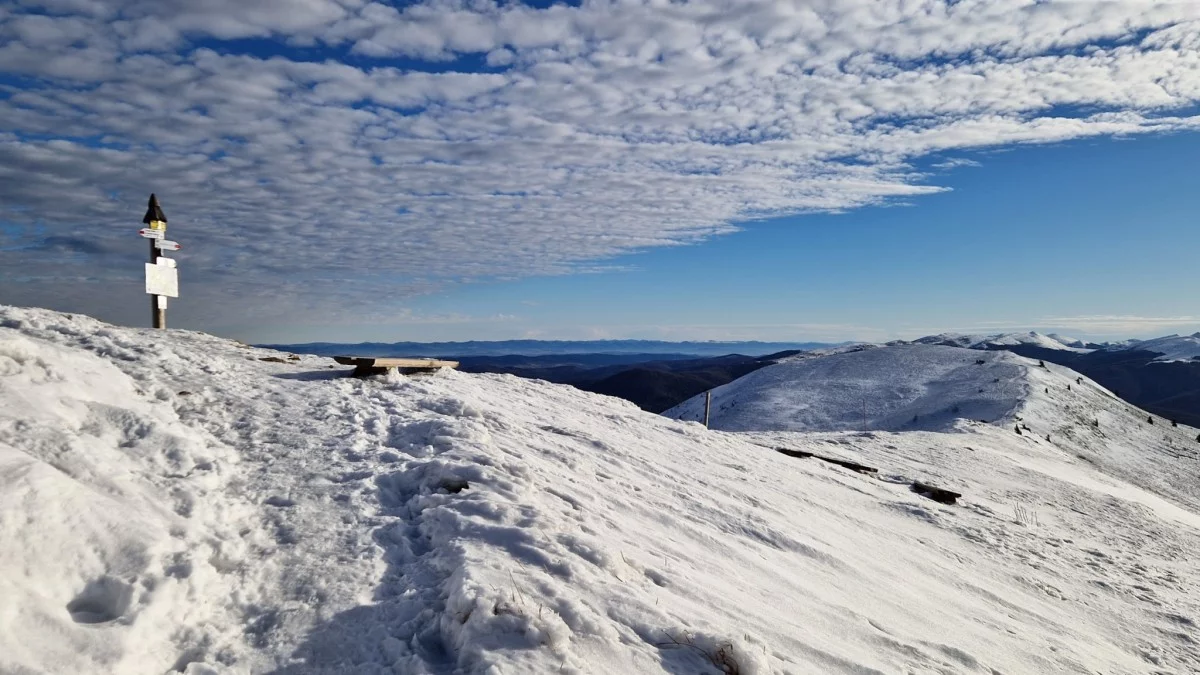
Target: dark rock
[{"x": 937, "y": 494}]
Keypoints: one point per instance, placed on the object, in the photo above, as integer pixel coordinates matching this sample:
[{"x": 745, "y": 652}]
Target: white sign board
[
  {"x": 169, "y": 262},
  {"x": 166, "y": 245},
  {"x": 162, "y": 280},
  {"x": 151, "y": 234},
  {"x": 162, "y": 301}
]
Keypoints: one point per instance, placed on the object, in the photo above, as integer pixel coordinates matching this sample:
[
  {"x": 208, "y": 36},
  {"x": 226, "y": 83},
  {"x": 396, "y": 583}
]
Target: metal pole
[
  {"x": 707, "y": 406},
  {"x": 158, "y": 314}
]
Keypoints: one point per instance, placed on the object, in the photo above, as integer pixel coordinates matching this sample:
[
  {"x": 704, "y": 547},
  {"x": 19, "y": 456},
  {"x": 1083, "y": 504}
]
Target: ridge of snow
[
  {"x": 169, "y": 501},
  {"x": 1068, "y": 341}
]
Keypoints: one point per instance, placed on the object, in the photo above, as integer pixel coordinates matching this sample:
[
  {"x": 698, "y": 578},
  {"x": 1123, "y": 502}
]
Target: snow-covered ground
[
  {"x": 170, "y": 502},
  {"x": 914, "y": 387}
]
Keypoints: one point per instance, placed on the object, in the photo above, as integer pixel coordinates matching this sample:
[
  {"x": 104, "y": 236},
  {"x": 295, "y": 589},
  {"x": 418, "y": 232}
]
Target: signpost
[{"x": 162, "y": 279}]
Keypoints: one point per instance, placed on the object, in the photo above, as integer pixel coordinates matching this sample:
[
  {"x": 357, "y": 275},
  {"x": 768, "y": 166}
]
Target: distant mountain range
[
  {"x": 654, "y": 375},
  {"x": 1161, "y": 375},
  {"x": 656, "y": 348},
  {"x": 1168, "y": 348}
]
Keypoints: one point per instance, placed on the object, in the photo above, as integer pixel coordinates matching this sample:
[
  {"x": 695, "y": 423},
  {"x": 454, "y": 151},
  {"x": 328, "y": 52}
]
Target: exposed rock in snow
[{"x": 280, "y": 518}]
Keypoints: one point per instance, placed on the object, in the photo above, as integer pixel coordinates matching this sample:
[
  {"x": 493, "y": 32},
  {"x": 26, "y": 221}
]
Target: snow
[
  {"x": 1171, "y": 347},
  {"x": 170, "y": 502},
  {"x": 999, "y": 340},
  {"x": 893, "y": 387},
  {"x": 910, "y": 387}
]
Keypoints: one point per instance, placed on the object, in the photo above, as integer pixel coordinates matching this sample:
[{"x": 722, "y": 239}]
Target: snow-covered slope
[
  {"x": 891, "y": 387},
  {"x": 999, "y": 340},
  {"x": 170, "y": 502},
  {"x": 935, "y": 388},
  {"x": 1171, "y": 347}
]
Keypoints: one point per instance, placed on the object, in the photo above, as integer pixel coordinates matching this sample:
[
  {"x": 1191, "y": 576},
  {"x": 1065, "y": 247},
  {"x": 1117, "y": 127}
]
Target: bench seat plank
[{"x": 372, "y": 362}]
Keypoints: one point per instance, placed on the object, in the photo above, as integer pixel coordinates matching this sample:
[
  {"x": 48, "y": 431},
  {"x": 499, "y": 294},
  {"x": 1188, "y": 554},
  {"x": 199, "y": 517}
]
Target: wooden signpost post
[{"x": 162, "y": 279}]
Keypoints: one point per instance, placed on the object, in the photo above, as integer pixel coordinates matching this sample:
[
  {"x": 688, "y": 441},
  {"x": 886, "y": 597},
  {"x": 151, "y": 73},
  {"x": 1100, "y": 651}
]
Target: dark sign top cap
[{"x": 154, "y": 212}]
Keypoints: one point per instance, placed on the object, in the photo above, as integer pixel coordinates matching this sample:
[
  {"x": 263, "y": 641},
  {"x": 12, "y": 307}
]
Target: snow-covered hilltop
[
  {"x": 1001, "y": 340},
  {"x": 1170, "y": 347},
  {"x": 869, "y": 388},
  {"x": 169, "y": 501},
  {"x": 936, "y": 388}
]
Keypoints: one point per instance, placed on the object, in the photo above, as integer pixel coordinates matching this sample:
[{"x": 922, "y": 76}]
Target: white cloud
[
  {"x": 955, "y": 163},
  {"x": 302, "y": 186},
  {"x": 1124, "y": 325}
]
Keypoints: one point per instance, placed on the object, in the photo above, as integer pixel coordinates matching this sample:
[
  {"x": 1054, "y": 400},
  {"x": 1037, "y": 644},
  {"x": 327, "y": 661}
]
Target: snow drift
[{"x": 170, "y": 502}]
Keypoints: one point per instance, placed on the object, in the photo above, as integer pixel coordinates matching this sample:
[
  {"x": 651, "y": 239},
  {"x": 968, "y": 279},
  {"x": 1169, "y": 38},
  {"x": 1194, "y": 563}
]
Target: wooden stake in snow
[{"x": 707, "y": 406}]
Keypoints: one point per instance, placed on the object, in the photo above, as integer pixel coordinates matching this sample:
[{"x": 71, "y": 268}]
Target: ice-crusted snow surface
[{"x": 168, "y": 501}]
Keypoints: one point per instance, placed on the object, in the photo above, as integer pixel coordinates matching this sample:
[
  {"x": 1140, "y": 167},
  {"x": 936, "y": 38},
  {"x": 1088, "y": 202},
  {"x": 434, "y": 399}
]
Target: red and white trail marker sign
[
  {"x": 167, "y": 245},
  {"x": 151, "y": 234}
]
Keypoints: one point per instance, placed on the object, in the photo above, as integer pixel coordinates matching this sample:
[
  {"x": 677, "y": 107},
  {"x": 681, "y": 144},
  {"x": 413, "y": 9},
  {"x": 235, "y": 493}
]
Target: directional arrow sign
[
  {"x": 151, "y": 234},
  {"x": 166, "y": 245}
]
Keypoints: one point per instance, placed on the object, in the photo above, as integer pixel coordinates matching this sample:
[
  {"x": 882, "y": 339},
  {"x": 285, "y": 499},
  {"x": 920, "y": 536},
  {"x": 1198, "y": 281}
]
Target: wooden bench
[{"x": 365, "y": 366}]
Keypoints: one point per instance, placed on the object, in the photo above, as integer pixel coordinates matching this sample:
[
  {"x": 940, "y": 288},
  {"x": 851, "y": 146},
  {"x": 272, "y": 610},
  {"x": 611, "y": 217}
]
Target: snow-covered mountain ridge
[
  {"x": 170, "y": 502},
  {"x": 1169, "y": 347},
  {"x": 1001, "y": 340},
  {"x": 918, "y": 387}
]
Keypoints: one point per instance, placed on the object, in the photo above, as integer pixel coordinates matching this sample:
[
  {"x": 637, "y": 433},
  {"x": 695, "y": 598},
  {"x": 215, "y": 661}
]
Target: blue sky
[
  {"x": 859, "y": 169},
  {"x": 1096, "y": 237}
]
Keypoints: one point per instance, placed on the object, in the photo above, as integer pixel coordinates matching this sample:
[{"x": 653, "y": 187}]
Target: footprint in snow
[{"x": 103, "y": 600}]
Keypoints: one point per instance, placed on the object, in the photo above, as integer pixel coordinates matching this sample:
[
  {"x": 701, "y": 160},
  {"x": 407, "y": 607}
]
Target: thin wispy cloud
[
  {"x": 1100, "y": 326},
  {"x": 954, "y": 163},
  {"x": 321, "y": 156},
  {"x": 723, "y": 332},
  {"x": 1125, "y": 325}
]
